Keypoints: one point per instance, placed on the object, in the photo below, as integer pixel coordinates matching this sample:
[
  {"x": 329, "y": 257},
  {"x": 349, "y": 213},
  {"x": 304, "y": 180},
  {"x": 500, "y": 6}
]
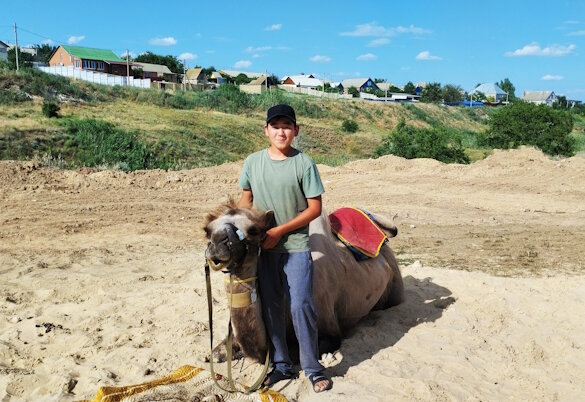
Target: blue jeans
[{"x": 282, "y": 277}]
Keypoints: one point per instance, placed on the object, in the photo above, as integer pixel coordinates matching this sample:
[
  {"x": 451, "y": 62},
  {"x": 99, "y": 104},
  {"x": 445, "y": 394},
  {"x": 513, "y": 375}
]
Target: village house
[
  {"x": 3, "y": 51},
  {"x": 84, "y": 58},
  {"x": 235, "y": 73},
  {"x": 216, "y": 78},
  {"x": 493, "y": 92},
  {"x": 361, "y": 84},
  {"x": 540, "y": 97},
  {"x": 195, "y": 76},
  {"x": 302, "y": 81},
  {"x": 156, "y": 72}
]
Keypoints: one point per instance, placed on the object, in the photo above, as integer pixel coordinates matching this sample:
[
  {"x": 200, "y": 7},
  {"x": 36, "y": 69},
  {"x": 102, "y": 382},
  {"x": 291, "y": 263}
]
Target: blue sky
[{"x": 536, "y": 45}]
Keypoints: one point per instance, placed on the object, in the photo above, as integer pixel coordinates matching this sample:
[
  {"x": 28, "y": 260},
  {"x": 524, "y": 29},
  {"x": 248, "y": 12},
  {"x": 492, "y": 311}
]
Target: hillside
[{"x": 185, "y": 130}]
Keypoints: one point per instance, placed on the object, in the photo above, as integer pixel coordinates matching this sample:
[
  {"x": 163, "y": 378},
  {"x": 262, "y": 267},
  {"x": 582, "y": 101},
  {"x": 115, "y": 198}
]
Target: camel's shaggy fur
[{"x": 345, "y": 290}]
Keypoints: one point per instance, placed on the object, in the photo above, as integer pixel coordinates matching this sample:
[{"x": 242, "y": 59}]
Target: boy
[{"x": 286, "y": 181}]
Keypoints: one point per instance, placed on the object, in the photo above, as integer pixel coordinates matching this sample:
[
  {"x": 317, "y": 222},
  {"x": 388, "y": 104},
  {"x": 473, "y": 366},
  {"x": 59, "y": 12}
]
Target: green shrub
[
  {"x": 349, "y": 126},
  {"x": 523, "y": 123},
  {"x": 50, "y": 108},
  {"x": 99, "y": 143},
  {"x": 437, "y": 143}
]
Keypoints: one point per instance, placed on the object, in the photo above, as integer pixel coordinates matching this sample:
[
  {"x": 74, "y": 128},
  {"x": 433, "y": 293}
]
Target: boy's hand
[{"x": 272, "y": 238}]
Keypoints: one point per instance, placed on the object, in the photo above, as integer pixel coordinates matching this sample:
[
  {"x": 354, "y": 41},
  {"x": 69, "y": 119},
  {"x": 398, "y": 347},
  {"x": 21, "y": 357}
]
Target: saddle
[{"x": 358, "y": 230}]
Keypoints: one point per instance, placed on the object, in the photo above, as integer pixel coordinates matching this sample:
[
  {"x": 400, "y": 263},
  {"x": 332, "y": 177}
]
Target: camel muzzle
[{"x": 230, "y": 251}]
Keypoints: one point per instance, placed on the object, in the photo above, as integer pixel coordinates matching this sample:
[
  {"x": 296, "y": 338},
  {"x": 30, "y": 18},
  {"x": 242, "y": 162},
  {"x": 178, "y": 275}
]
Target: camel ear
[{"x": 269, "y": 220}]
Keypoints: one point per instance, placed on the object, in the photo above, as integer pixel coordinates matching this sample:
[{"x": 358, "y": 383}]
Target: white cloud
[
  {"x": 75, "y": 39},
  {"x": 168, "y": 41},
  {"x": 320, "y": 59},
  {"x": 412, "y": 29},
  {"x": 534, "y": 49},
  {"x": 577, "y": 33},
  {"x": 376, "y": 30},
  {"x": 243, "y": 64},
  {"x": 273, "y": 27},
  {"x": 550, "y": 77},
  {"x": 131, "y": 54},
  {"x": 47, "y": 42},
  {"x": 187, "y": 56},
  {"x": 258, "y": 49},
  {"x": 426, "y": 55},
  {"x": 366, "y": 57},
  {"x": 378, "y": 42}
]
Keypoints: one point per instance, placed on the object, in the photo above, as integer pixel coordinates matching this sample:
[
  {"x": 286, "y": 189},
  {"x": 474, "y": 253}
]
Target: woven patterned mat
[{"x": 187, "y": 383}]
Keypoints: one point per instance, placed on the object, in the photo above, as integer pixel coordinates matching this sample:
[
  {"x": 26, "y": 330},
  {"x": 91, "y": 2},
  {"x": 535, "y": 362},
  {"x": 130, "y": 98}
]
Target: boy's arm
[
  {"x": 246, "y": 199},
  {"x": 313, "y": 211}
]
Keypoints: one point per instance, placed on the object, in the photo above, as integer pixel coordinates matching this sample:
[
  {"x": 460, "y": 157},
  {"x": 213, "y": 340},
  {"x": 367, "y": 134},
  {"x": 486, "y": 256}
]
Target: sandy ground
[{"x": 102, "y": 283}]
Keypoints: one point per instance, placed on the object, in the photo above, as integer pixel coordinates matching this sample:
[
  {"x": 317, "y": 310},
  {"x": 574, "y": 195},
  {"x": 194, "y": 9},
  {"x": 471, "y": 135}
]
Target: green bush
[
  {"x": 523, "y": 123},
  {"x": 50, "y": 108},
  {"x": 437, "y": 143},
  {"x": 99, "y": 143},
  {"x": 349, "y": 126}
]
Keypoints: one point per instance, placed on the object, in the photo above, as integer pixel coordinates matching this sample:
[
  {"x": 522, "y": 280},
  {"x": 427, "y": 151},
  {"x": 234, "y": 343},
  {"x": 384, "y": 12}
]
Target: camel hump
[{"x": 360, "y": 231}]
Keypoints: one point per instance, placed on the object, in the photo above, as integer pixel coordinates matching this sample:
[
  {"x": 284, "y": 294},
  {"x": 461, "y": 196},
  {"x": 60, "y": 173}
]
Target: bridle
[{"x": 235, "y": 242}]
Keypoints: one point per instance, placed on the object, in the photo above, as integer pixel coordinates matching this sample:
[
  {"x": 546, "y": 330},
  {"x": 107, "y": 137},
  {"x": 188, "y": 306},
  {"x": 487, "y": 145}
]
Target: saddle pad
[{"x": 357, "y": 230}]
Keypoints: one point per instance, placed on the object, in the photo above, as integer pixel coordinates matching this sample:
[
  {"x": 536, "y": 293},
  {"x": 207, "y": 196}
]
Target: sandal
[
  {"x": 275, "y": 376},
  {"x": 317, "y": 377}
]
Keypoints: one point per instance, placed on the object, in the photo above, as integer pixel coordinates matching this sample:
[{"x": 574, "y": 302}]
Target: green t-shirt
[{"x": 283, "y": 187}]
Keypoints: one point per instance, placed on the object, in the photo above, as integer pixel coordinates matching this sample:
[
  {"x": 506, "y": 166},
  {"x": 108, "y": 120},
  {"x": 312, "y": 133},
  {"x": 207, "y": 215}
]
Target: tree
[
  {"x": 353, "y": 91},
  {"x": 432, "y": 93},
  {"x": 25, "y": 60},
  {"x": 273, "y": 80},
  {"x": 44, "y": 52},
  {"x": 479, "y": 96},
  {"x": 452, "y": 94},
  {"x": 174, "y": 64},
  {"x": 561, "y": 102},
  {"x": 409, "y": 88},
  {"x": 242, "y": 79},
  {"x": 409, "y": 142},
  {"x": 523, "y": 123},
  {"x": 508, "y": 87},
  {"x": 207, "y": 71}
]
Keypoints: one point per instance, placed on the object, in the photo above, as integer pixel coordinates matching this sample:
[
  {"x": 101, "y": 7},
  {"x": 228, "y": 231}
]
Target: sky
[{"x": 537, "y": 45}]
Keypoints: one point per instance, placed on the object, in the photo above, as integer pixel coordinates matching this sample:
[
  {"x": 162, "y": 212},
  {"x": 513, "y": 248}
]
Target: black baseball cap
[{"x": 281, "y": 111}]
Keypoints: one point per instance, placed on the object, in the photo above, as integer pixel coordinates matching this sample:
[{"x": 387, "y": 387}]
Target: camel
[{"x": 345, "y": 290}]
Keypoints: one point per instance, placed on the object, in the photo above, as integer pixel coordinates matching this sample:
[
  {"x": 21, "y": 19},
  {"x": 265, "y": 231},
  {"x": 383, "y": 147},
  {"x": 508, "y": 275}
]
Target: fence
[
  {"x": 314, "y": 92},
  {"x": 95, "y": 77}
]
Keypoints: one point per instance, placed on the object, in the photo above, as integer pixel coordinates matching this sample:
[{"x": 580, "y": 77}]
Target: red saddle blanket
[{"x": 357, "y": 230}]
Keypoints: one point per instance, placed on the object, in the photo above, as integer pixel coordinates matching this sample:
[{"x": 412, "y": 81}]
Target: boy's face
[{"x": 281, "y": 132}]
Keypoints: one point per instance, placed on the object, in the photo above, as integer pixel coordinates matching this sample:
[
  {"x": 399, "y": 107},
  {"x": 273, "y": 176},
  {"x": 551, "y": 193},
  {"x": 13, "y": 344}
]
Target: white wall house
[
  {"x": 492, "y": 91},
  {"x": 540, "y": 97},
  {"x": 3, "y": 51}
]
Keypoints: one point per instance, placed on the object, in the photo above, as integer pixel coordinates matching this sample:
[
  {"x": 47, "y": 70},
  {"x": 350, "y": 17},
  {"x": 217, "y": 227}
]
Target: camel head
[{"x": 235, "y": 235}]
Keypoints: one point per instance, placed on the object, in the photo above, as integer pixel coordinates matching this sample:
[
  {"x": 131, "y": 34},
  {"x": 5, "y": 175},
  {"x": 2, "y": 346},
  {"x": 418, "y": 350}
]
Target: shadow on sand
[{"x": 424, "y": 301}]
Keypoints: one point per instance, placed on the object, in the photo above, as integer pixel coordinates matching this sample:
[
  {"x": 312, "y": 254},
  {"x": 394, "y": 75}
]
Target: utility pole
[
  {"x": 127, "y": 69},
  {"x": 16, "y": 45},
  {"x": 184, "y": 74}
]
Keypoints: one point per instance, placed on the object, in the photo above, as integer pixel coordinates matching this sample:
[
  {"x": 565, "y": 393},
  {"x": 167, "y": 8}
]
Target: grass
[{"x": 189, "y": 129}]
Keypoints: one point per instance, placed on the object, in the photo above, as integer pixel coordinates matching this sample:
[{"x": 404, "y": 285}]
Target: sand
[{"x": 102, "y": 282}]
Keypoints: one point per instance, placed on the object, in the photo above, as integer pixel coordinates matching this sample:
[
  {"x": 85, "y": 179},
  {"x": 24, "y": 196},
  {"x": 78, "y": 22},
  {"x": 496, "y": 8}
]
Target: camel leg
[
  {"x": 219, "y": 353},
  {"x": 394, "y": 293},
  {"x": 328, "y": 344}
]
